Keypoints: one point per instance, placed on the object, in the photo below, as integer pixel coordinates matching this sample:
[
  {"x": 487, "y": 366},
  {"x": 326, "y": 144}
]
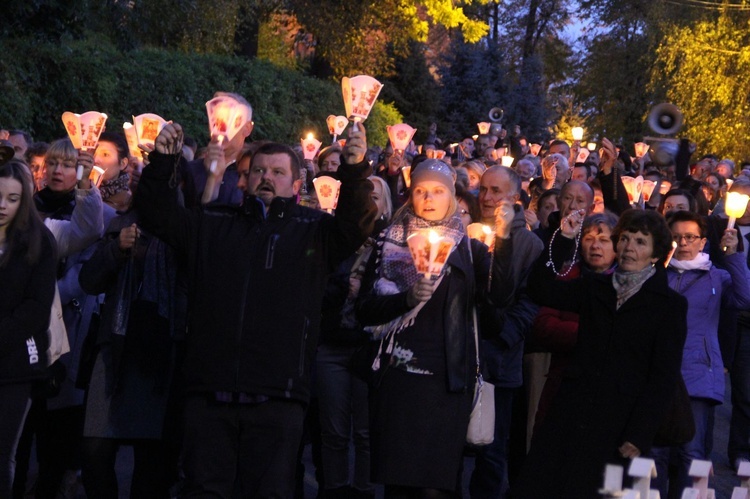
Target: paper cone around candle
[
  {"x": 406, "y": 172},
  {"x": 735, "y": 205},
  {"x": 577, "y": 132},
  {"x": 84, "y": 129},
  {"x": 506, "y": 161},
  {"x": 360, "y": 93},
  {"x": 583, "y": 155},
  {"x": 634, "y": 186},
  {"x": 484, "y": 127},
  {"x": 591, "y": 146},
  {"x": 327, "y": 188},
  {"x": 400, "y": 135},
  {"x": 429, "y": 251},
  {"x": 481, "y": 232},
  {"x": 641, "y": 148},
  {"x": 665, "y": 187},
  {"x": 439, "y": 154},
  {"x": 72, "y": 124},
  {"x": 310, "y": 147},
  {"x": 648, "y": 189},
  {"x": 92, "y": 126},
  {"x": 336, "y": 124},
  {"x": 131, "y": 136},
  {"x": 535, "y": 148},
  {"x": 226, "y": 116},
  {"x": 147, "y": 127}
]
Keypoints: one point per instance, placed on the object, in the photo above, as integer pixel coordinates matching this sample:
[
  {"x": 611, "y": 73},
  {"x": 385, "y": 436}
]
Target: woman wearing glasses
[{"x": 708, "y": 290}]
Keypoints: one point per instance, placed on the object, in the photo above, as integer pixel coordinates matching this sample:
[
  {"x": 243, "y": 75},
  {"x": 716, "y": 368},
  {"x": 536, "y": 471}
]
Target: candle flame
[
  {"x": 433, "y": 237},
  {"x": 486, "y": 229},
  {"x": 310, "y": 136}
]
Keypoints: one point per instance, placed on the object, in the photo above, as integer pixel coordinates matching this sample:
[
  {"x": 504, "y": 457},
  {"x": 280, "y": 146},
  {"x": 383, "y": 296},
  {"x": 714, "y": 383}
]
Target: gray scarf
[{"x": 627, "y": 284}]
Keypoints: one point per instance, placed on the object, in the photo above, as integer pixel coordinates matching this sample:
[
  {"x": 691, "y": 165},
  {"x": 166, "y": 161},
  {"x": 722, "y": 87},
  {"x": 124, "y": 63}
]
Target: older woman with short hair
[{"x": 626, "y": 364}]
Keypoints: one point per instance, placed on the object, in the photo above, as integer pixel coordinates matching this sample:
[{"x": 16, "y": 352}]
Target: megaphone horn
[
  {"x": 665, "y": 119},
  {"x": 496, "y": 114}
]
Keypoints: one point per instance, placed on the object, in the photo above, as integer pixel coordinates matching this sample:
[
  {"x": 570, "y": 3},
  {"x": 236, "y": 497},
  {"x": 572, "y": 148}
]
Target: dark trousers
[
  {"x": 151, "y": 477},
  {"x": 59, "y": 446},
  {"x": 253, "y": 445},
  {"x": 739, "y": 426},
  {"x": 490, "y": 477},
  {"x": 16, "y": 400}
]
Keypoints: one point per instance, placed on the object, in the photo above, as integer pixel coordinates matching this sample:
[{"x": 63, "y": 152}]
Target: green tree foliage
[
  {"x": 704, "y": 68},
  {"x": 41, "y": 81}
]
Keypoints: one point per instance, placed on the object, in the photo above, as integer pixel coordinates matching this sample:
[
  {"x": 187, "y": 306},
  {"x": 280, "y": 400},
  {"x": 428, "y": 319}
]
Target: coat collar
[{"x": 607, "y": 297}]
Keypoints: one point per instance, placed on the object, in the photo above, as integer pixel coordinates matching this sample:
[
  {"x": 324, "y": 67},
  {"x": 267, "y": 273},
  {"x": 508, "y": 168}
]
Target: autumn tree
[{"x": 704, "y": 69}]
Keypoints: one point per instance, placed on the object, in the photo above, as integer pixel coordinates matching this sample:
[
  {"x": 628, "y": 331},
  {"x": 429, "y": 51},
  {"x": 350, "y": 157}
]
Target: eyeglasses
[{"x": 689, "y": 238}]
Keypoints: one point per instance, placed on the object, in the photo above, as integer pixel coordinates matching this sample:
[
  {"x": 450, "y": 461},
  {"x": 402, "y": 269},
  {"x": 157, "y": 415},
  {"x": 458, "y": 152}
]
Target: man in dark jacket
[
  {"x": 256, "y": 285},
  {"x": 503, "y": 329}
]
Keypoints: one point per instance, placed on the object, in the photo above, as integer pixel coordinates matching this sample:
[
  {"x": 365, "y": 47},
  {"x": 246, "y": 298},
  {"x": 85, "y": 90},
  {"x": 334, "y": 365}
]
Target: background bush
[{"x": 40, "y": 81}]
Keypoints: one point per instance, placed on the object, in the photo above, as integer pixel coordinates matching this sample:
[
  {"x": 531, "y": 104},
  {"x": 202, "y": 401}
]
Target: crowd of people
[{"x": 218, "y": 320}]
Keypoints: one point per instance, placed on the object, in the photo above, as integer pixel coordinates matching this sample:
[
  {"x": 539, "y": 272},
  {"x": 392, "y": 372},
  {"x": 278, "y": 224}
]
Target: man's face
[
  {"x": 37, "y": 169},
  {"x": 271, "y": 176},
  {"x": 580, "y": 174},
  {"x": 724, "y": 170},
  {"x": 468, "y": 146},
  {"x": 563, "y": 149},
  {"x": 575, "y": 196},
  {"x": 482, "y": 144},
  {"x": 494, "y": 187},
  {"x": 19, "y": 145}
]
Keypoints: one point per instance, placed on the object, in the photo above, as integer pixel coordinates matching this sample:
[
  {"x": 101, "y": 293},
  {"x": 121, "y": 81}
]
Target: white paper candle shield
[
  {"x": 484, "y": 127},
  {"x": 648, "y": 189},
  {"x": 226, "y": 116},
  {"x": 634, "y": 186},
  {"x": 535, "y": 148},
  {"x": 430, "y": 251},
  {"x": 583, "y": 155},
  {"x": 400, "y": 135},
  {"x": 147, "y": 127},
  {"x": 360, "y": 93},
  {"x": 310, "y": 146},
  {"x": 591, "y": 146},
  {"x": 735, "y": 206},
  {"x": 84, "y": 129},
  {"x": 327, "y": 188},
  {"x": 641, "y": 148},
  {"x": 97, "y": 175},
  {"x": 336, "y": 124},
  {"x": 506, "y": 161},
  {"x": 131, "y": 136},
  {"x": 481, "y": 232}
]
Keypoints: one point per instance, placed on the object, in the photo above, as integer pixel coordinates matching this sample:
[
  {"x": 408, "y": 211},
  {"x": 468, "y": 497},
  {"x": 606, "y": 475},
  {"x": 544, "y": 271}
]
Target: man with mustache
[{"x": 256, "y": 282}]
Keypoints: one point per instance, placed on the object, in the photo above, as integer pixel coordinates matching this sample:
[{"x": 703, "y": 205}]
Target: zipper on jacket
[
  {"x": 269, "y": 252},
  {"x": 302, "y": 346},
  {"x": 241, "y": 325}
]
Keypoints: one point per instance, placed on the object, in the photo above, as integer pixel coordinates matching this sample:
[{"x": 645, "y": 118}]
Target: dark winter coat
[
  {"x": 256, "y": 281},
  {"x": 618, "y": 387},
  {"x": 26, "y": 293}
]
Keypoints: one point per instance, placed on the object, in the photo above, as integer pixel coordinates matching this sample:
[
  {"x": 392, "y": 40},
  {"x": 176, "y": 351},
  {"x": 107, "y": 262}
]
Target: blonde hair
[
  {"x": 386, "y": 195},
  {"x": 61, "y": 149}
]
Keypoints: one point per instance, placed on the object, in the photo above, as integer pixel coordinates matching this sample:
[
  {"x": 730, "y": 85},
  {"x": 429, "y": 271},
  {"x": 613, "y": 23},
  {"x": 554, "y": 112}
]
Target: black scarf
[{"x": 56, "y": 205}]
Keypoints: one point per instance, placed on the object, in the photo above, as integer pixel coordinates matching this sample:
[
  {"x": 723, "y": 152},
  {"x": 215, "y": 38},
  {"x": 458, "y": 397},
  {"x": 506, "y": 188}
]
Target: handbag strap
[{"x": 474, "y": 315}]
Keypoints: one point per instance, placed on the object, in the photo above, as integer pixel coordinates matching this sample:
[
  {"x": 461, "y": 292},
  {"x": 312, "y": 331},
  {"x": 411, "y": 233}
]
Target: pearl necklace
[{"x": 551, "y": 263}]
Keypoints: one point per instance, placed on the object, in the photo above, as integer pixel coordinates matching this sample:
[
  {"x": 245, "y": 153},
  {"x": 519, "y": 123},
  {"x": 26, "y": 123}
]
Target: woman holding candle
[
  {"x": 626, "y": 364},
  {"x": 708, "y": 290},
  {"x": 426, "y": 366}
]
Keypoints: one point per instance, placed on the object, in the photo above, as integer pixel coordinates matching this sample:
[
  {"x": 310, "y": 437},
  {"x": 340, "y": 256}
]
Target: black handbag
[{"x": 677, "y": 427}]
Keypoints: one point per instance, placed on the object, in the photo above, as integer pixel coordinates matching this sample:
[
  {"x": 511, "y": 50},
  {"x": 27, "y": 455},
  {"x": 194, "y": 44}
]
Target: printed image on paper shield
[
  {"x": 429, "y": 251},
  {"x": 360, "y": 93},
  {"x": 84, "y": 129}
]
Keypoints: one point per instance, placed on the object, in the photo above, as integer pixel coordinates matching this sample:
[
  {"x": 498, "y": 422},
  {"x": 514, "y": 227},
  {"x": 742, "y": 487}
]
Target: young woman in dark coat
[
  {"x": 28, "y": 262},
  {"x": 626, "y": 365}
]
